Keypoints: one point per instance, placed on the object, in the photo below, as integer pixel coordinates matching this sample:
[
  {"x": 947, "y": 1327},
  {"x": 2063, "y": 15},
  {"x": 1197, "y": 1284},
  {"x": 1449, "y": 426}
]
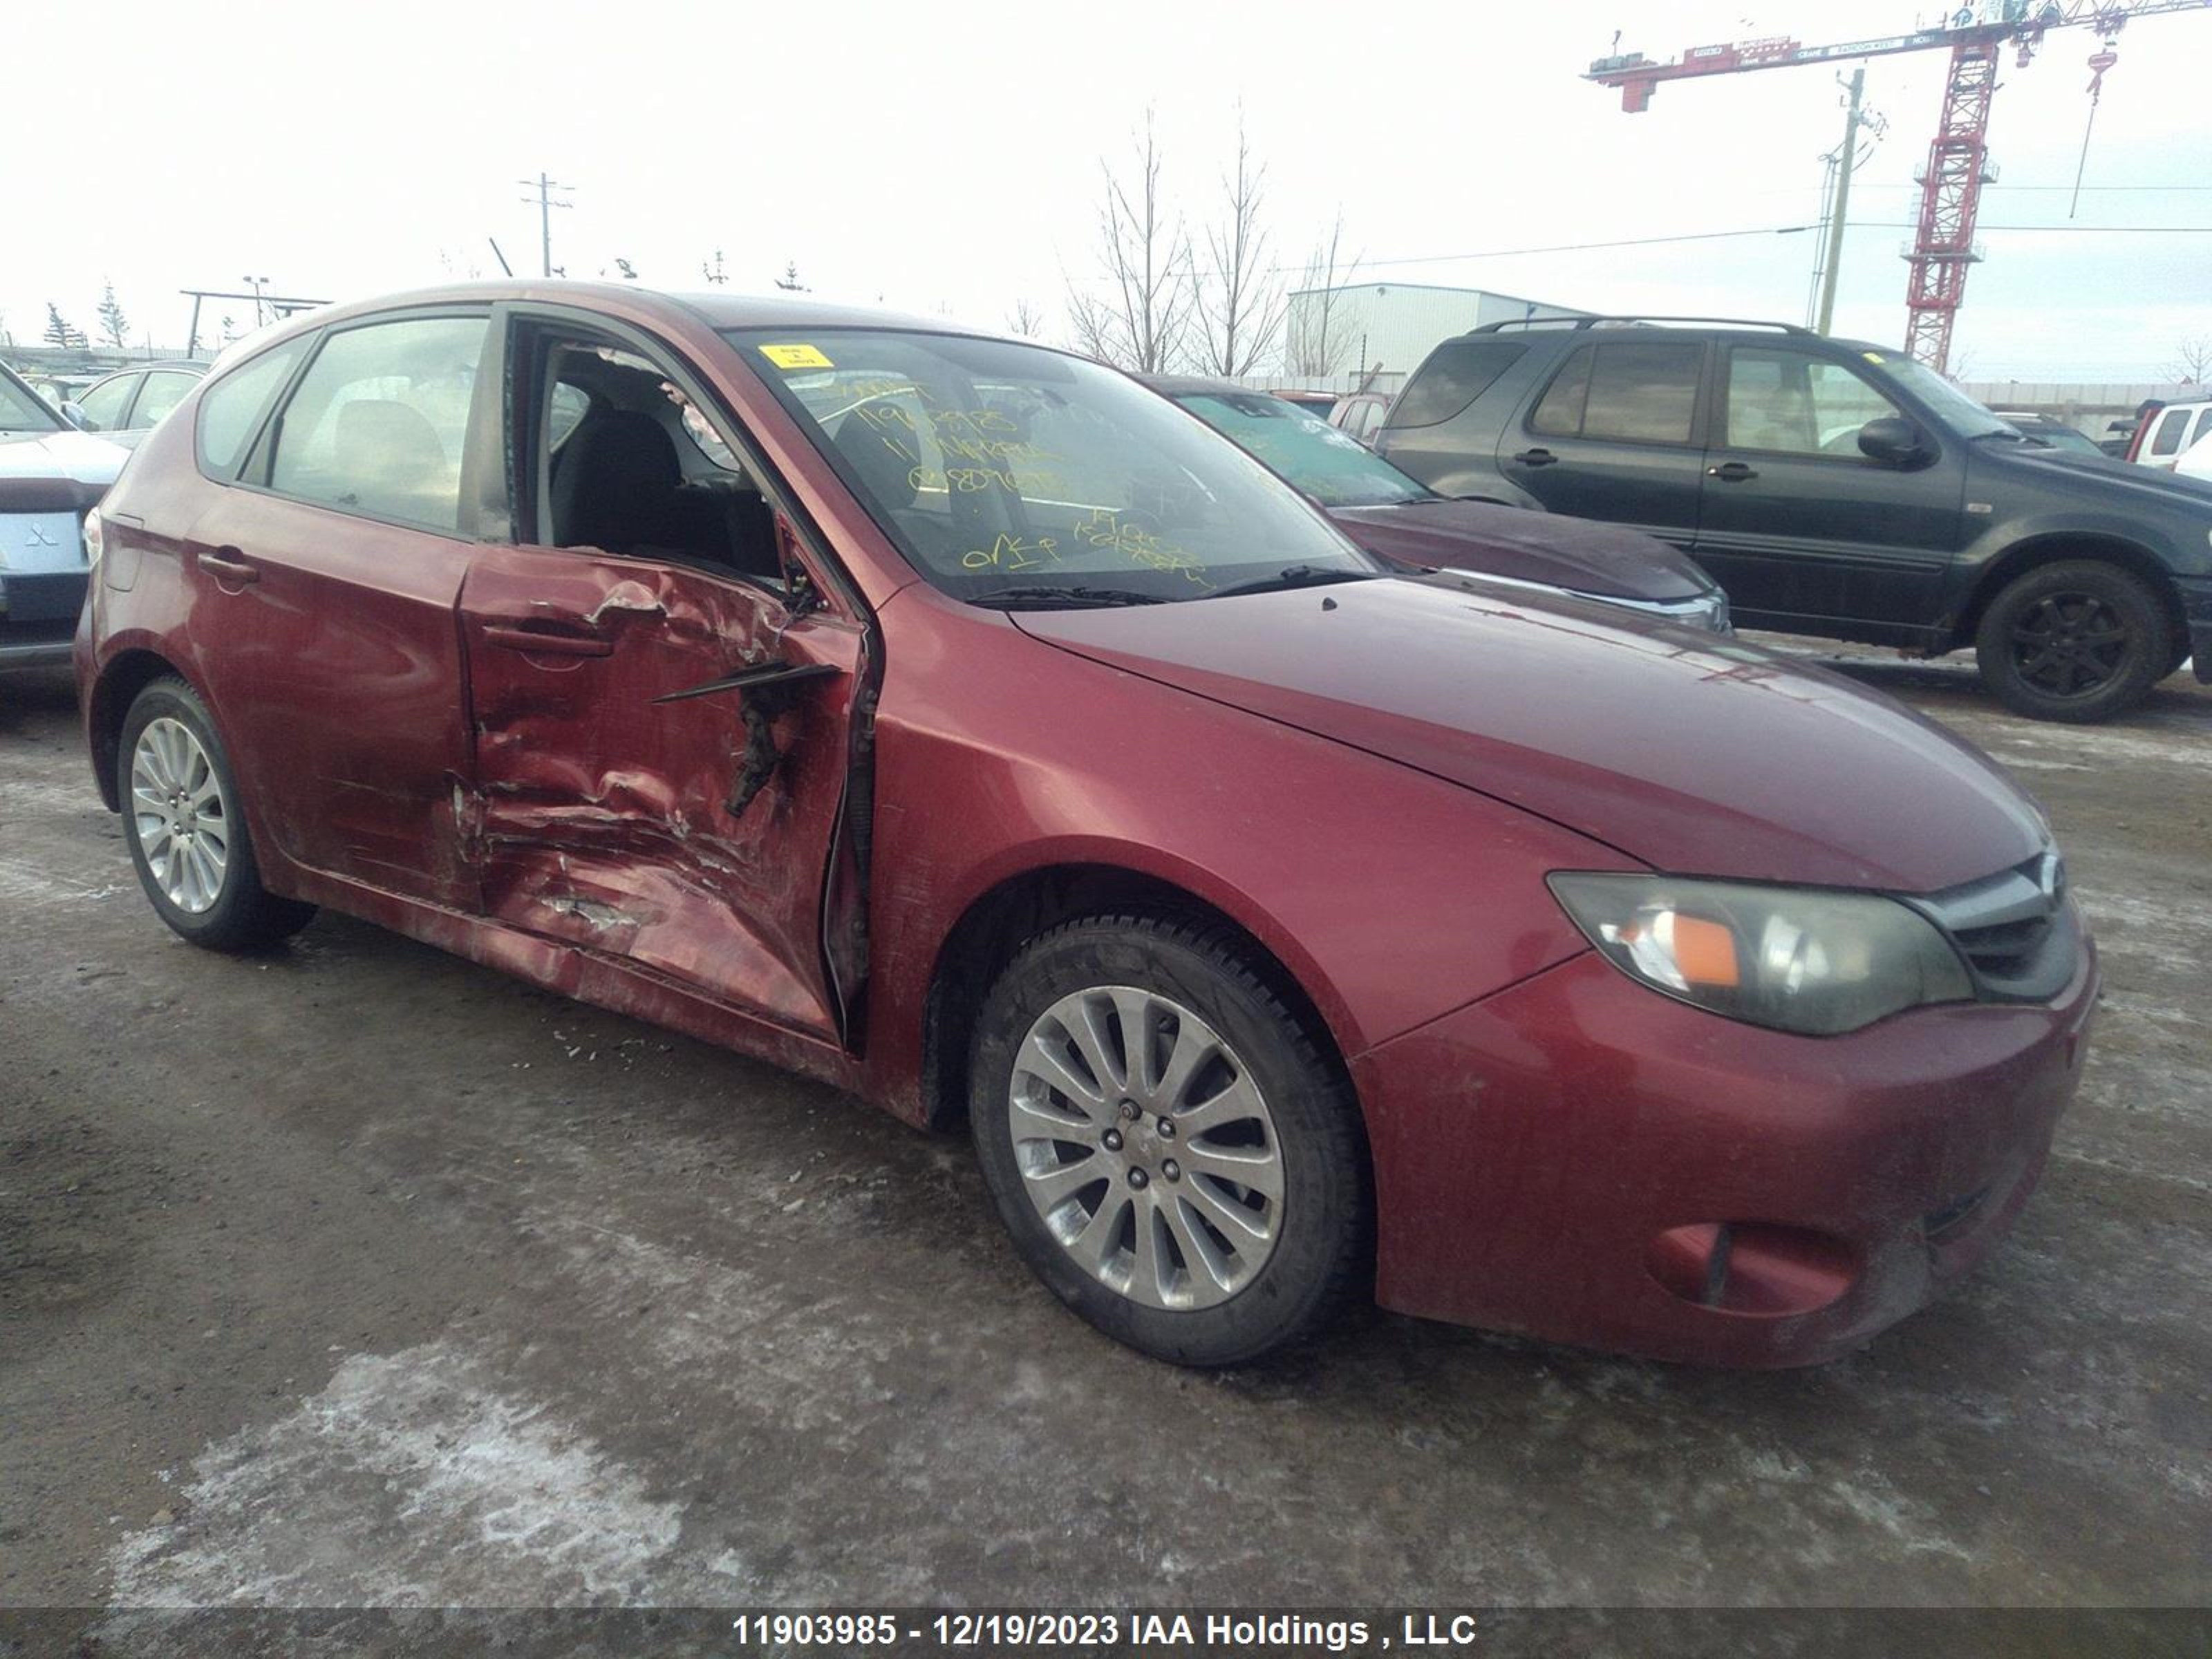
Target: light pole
[{"x": 256, "y": 284}]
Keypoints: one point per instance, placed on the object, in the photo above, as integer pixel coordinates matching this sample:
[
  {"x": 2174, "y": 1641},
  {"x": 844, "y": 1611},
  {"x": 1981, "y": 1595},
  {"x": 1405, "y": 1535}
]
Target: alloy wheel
[
  {"x": 2069, "y": 645},
  {"x": 182, "y": 819},
  {"x": 1146, "y": 1147}
]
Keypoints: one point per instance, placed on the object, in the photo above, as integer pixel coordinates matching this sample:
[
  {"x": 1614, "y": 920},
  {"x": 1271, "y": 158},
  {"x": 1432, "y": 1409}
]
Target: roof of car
[
  {"x": 716, "y": 309},
  {"x": 188, "y": 365},
  {"x": 1192, "y": 385},
  {"x": 1589, "y": 327}
]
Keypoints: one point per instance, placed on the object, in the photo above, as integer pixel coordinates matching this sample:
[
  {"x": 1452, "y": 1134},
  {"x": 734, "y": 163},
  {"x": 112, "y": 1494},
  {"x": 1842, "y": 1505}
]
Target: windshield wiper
[
  {"x": 1038, "y": 597},
  {"x": 1296, "y": 575}
]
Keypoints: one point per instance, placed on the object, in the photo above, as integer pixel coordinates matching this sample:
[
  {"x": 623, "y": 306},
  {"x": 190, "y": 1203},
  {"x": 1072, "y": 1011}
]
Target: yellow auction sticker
[
  {"x": 796, "y": 356},
  {"x": 1872, "y": 357}
]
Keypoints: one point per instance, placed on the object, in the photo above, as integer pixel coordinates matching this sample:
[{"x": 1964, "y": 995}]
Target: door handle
[
  {"x": 534, "y": 643},
  {"x": 1730, "y": 472},
  {"x": 227, "y": 564},
  {"x": 1535, "y": 458}
]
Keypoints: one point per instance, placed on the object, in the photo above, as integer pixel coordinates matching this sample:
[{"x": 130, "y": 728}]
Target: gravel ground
[{"x": 358, "y": 1275}]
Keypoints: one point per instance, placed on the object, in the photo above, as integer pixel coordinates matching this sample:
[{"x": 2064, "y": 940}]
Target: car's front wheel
[
  {"x": 187, "y": 835},
  {"x": 1172, "y": 1152},
  {"x": 2078, "y": 641}
]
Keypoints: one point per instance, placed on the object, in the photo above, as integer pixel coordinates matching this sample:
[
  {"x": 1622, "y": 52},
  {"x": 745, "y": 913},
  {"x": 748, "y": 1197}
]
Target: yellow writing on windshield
[
  {"x": 1014, "y": 553},
  {"x": 1106, "y": 528}
]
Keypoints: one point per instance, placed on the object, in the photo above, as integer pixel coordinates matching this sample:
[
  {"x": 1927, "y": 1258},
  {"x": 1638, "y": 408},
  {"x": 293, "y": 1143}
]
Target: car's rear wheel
[
  {"x": 1170, "y": 1150},
  {"x": 187, "y": 833},
  {"x": 2078, "y": 640}
]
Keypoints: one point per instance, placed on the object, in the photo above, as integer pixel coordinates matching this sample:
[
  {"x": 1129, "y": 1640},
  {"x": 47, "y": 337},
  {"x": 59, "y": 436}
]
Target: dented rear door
[{"x": 611, "y": 821}]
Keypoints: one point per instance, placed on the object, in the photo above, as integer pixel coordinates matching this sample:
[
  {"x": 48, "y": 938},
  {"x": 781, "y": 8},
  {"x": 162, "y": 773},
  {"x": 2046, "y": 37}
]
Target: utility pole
[
  {"x": 545, "y": 187},
  {"x": 1845, "y": 159}
]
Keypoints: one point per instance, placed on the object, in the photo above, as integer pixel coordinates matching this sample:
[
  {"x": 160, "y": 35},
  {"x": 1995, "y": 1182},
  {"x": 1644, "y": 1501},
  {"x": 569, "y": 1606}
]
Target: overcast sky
[{"x": 947, "y": 157}]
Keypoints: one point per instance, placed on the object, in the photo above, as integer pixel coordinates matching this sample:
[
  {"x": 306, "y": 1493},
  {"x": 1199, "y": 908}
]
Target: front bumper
[
  {"x": 1581, "y": 1159},
  {"x": 38, "y": 616},
  {"x": 1708, "y": 611}
]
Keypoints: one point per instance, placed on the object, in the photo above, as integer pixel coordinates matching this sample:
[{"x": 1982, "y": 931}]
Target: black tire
[
  {"x": 243, "y": 915},
  {"x": 2079, "y": 641},
  {"x": 1323, "y": 1224}
]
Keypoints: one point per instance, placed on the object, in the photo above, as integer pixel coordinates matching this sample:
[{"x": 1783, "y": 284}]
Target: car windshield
[
  {"x": 1966, "y": 417},
  {"x": 2059, "y": 435},
  {"x": 1330, "y": 465},
  {"x": 22, "y": 410},
  {"x": 1005, "y": 470}
]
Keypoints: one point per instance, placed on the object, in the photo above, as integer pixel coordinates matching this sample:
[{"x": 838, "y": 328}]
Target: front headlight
[
  {"x": 1797, "y": 958},
  {"x": 92, "y": 539}
]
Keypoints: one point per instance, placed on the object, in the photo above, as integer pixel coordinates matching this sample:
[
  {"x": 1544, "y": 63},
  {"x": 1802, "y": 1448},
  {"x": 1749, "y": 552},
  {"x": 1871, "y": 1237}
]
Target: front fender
[{"x": 1390, "y": 896}]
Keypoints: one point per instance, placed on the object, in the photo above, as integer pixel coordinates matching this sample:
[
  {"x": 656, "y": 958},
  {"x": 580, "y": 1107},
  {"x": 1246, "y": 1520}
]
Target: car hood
[
  {"x": 2131, "y": 482},
  {"x": 1693, "y": 754},
  {"x": 55, "y": 471},
  {"x": 1602, "y": 559}
]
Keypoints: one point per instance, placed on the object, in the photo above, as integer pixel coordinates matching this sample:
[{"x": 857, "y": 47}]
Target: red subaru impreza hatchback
[{"x": 955, "y": 721}]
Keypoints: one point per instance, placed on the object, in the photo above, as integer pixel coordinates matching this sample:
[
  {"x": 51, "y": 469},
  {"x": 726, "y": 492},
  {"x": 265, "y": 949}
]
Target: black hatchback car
[{"x": 1832, "y": 487}]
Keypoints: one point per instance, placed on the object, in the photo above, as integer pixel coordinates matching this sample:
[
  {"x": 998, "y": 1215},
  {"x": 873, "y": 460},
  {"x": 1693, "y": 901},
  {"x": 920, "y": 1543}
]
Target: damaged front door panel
[
  {"x": 623, "y": 808},
  {"x": 768, "y": 691}
]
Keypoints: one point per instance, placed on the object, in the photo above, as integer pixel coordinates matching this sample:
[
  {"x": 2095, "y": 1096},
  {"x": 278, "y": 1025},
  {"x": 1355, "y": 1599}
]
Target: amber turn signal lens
[{"x": 1705, "y": 951}]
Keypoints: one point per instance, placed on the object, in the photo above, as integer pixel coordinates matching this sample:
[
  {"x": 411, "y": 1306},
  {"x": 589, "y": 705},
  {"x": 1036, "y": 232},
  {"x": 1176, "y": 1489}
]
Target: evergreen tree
[{"x": 114, "y": 326}]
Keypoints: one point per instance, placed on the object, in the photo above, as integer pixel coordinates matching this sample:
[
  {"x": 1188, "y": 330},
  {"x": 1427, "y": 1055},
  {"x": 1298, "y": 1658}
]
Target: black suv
[{"x": 1832, "y": 487}]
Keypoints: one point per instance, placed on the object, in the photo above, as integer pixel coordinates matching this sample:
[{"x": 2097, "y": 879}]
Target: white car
[
  {"x": 2169, "y": 432},
  {"x": 2196, "y": 460}
]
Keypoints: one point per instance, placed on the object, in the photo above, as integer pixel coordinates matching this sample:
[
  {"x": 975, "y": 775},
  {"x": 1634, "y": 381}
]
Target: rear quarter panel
[{"x": 1459, "y": 456}]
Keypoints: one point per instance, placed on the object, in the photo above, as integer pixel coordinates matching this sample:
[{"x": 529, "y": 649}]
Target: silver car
[
  {"x": 50, "y": 475},
  {"x": 125, "y": 405}
]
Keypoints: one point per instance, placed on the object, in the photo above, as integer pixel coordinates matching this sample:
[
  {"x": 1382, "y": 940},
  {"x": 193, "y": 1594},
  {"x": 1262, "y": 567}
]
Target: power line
[
  {"x": 2085, "y": 230},
  {"x": 1357, "y": 265},
  {"x": 1575, "y": 247},
  {"x": 2086, "y": 189},
  {"x": 545, "y": 187}
]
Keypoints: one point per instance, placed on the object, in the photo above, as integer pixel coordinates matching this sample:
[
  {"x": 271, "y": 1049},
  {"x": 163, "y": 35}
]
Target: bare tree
[
  {"x": 1314, "y": 339},
  {"x": 789, "y": 282},
  {"x": 1027, "y": 320},
  {"x": 1240, "y": 309},
  {"x": 1141, "y": 321},
  {"x": 2194, "y": 365}
]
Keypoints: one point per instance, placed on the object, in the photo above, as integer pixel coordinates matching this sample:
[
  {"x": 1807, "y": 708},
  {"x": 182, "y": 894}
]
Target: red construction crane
[{"x": 1958, "y": 160}]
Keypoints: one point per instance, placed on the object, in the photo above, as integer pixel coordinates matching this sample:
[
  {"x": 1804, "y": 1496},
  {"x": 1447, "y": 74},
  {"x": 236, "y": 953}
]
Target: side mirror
[
  {"x": 74, "y": 415},
  {"x": 1893, "y": 442}
]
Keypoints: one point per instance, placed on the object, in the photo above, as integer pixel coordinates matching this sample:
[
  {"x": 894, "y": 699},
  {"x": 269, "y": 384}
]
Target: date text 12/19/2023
[{"x": 1195, "y": 1631}]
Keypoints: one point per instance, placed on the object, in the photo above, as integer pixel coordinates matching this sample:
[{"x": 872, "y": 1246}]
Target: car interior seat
[
  {"x": 618, "y": 483},
  {"x": 883, "y": 472},
  {"x": 615, "y": 483}
]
